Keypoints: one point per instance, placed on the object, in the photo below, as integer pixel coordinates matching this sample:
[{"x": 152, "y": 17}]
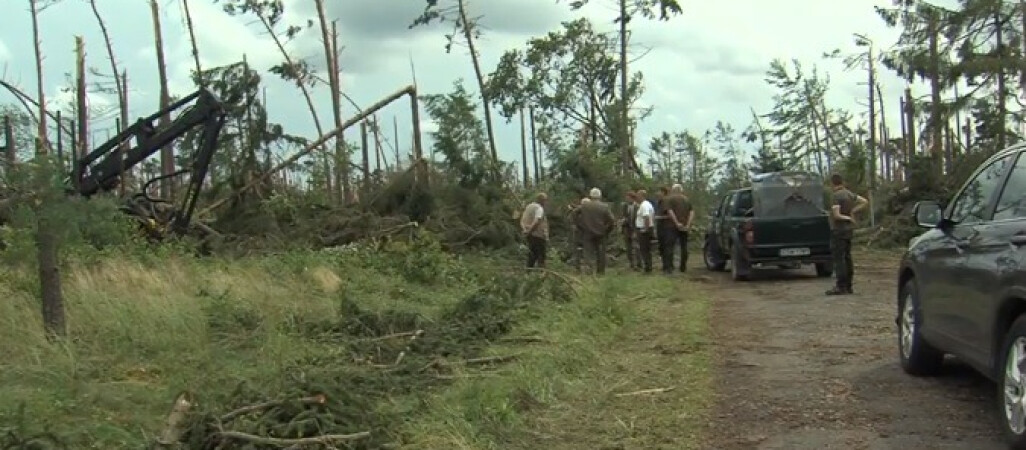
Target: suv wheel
[
  {"x": 1012, "y": 388},
  {"x": 917, "y": 356},
  {"x": 714, "y": 260}
]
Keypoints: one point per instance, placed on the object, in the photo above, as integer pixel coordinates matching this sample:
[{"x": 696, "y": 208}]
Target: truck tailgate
[{"x": 799, "y": 233}]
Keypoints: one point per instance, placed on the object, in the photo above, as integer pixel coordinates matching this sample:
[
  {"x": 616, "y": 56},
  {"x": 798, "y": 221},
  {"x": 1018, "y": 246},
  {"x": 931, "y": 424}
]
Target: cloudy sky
[{"x": 703, "y": 66}]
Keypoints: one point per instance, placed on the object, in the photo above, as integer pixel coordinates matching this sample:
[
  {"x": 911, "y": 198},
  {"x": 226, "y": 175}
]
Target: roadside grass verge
[{"x": 576, "y": 385}]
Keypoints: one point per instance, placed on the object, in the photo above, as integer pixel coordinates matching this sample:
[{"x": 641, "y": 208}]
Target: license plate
[{"x": 794, "y": 251}]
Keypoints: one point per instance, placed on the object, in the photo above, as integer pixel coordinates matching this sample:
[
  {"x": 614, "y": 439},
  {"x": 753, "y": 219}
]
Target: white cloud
[{"x": 705, "y": 65}]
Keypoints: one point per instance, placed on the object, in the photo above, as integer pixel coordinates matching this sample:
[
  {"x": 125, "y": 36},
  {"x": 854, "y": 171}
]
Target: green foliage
[{"x": 569, "y": 76}]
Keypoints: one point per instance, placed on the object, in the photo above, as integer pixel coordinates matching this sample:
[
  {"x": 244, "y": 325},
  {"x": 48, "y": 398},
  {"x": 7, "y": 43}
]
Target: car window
[
  {"x": 972, "y": 203},
  {"x": 1012, "y": 202},
  {"x": 743, "y": 202},
  {"x": 722, "y": 208}
]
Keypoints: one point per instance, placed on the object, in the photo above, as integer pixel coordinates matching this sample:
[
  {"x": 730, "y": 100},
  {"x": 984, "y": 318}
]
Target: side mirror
[{"x": 928, "y": 214}]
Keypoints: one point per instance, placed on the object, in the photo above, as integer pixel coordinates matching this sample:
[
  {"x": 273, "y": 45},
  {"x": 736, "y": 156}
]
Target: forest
[{"x": 334, "y": 293}]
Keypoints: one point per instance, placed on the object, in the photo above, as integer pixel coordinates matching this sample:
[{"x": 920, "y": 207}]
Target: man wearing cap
[{"x": 595, "y": 221}]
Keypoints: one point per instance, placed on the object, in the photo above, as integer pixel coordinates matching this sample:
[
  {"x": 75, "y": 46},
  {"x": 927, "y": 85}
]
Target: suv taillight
[{"x": 748, "y": 231}]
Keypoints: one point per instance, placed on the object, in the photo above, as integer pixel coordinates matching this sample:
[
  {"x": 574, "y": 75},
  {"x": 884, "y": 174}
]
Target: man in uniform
[
  {"x": 644, "y": 223},
  {"x": 595, "y": 221},
  {"x": 576, "y": 234},
  {"x": 627, "y": 226},
  {"x": 844, "y": 205},
  {"x": 536, "y": 230},
  {"x": 674, "y": 228}
]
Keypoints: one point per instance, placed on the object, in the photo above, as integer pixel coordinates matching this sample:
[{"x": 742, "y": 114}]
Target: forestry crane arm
[{"x": 101, "y": 169}]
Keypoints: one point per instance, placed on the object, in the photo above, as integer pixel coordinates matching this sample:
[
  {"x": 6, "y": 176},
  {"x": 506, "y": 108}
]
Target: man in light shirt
[
  {"x": 644, "y": 223},
  {"x": 536, "y": 230}
]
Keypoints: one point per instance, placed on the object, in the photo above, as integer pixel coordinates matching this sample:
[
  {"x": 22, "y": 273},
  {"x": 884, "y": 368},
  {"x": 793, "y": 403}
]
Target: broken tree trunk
[
  {"x": 523, "y": 149},
  {"x": 81, "y": 108},
  {"x": 43, "y": 144},
  {"x": 167, "y": 161}
]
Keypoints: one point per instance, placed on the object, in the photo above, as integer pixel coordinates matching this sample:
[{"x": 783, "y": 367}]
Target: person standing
[
  {"x": 596, "y": 222},
  {"x": 536, "y": 229},
  {"x": 675, "y": 227},
  {"x": 844, "y": 205},
  {"x": 577, "y": 235},
  {"x": 645, "y": 224},
  {"x": 660, "y": 215},
  {"x": 627, "y": 226}
]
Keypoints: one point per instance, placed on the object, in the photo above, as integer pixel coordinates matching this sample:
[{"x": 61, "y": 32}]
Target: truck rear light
[{"x": 748, "y": 229}]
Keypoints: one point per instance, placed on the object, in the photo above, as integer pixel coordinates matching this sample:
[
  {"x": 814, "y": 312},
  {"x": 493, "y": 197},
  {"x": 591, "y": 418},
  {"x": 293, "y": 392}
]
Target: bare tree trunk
[
  {"x": 341, "y": 156},
  {"x": 936, "y": 108},
  {"x": 336, "y": 100},
  {"x": 910, "y": 122},
  {"x": 192, "y": 41},
  {"x": 366, "y": 154},
  {"x": 81, "y": 107},
  {"x": 126, "y": 173},
  {"x": 395, "y": 131},
  {"x": 1022, "y": 73},
  {"x": 301, "y": 82},
  {"x": 167, "y": 159},
  {"x": 119, "y": 87},
  {"x": 534, "y": 149},
  {"x": 1002, "y": 88},
  {"x": 523, "y": 149},
  {"x": 872, "y": 139},
  {"x": 42, "y": 142},
  {"x": 885, "y": 143},
  {"x": 468, "y": 34},
  {"x": 624, "y": 113}
]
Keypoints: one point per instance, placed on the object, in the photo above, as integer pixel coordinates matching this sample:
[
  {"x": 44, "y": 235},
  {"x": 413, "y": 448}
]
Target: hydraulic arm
[{"x": 101, "y": 170}]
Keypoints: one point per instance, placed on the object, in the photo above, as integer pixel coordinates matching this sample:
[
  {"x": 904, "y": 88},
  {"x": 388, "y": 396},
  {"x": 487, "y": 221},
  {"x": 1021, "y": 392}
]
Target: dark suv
[{"x": 962, "y": 285}]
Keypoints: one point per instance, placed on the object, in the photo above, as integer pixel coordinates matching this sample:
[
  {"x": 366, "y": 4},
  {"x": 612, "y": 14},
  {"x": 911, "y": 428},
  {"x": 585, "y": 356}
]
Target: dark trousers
[
  {"x": 670, "y": 239},
  {"x": 844, "y": 269},
  {"x": 628, "y": 240},
  {"x": 595, "y": 247},
  {"x": 645, "y": 247},
  {"x": 536, "y": 247}
]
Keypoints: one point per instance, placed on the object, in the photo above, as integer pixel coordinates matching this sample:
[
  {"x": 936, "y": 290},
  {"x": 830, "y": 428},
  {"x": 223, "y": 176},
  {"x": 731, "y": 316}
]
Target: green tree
[
  {"x": 570, "y": 77},
  {"x": 628, "y": 9}
]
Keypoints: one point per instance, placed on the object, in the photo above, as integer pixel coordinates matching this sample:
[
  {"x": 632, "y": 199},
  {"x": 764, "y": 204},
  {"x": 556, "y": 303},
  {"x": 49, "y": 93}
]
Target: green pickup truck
[{"x": 778, "y": 221}]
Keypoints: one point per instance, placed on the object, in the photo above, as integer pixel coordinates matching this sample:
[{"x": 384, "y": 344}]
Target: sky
[{"x": 706, "y": 65}]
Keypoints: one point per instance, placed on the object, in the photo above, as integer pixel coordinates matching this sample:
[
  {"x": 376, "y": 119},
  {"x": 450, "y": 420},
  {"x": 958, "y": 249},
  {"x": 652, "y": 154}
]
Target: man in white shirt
[
  {"x": 536, "y": 230},
  {"x": 644, "y": 223}
]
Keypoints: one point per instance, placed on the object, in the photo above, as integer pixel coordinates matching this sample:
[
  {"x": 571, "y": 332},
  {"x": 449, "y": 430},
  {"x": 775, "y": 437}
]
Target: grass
[
  {"x": 626, "y": 333},
  {"x": 245, "y": 331}
]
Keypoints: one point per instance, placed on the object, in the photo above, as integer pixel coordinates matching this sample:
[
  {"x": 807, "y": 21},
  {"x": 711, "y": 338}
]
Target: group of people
[{"x": 665, "y": 220}]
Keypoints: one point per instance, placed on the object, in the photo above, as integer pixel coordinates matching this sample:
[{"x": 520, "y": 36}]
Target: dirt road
[{"x": 799, "y": 370}]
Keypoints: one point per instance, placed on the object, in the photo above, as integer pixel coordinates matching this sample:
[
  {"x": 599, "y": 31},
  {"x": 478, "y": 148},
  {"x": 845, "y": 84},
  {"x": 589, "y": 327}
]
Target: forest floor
[{"x": 796, "y": 369}]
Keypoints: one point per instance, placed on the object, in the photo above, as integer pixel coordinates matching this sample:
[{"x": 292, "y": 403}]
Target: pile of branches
[
  {"x": 345, "y": 399},
  {"x": 463, "y": 218}
]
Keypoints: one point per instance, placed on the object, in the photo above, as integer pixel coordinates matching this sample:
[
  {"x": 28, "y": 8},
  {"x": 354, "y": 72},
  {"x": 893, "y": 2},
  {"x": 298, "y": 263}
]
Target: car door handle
[{"x": 1018, "y": 240}]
